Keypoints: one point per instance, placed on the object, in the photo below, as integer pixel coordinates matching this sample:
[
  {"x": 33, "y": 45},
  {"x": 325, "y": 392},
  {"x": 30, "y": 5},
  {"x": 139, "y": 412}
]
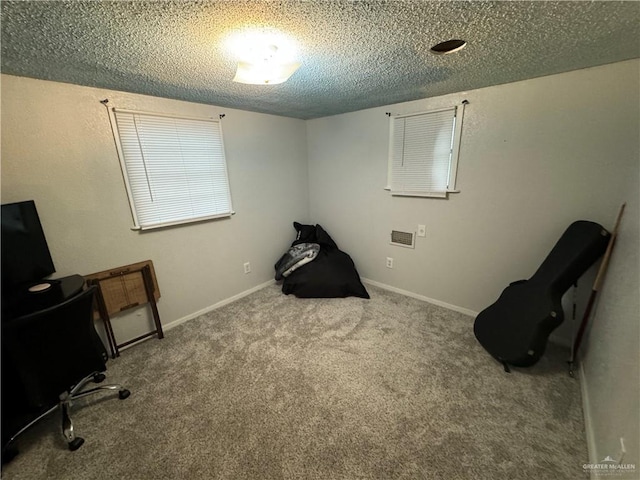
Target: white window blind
[
  {"x": 175, "y": 168},
  {"x": 423, "y": 153}
]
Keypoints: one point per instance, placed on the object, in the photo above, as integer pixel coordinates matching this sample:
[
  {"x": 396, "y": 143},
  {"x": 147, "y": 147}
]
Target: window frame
[
  {"x": 454, "y": 155},
  {"x": 137, "y": 225}
]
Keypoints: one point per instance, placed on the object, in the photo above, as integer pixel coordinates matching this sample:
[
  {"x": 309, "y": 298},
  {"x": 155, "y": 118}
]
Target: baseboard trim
[
  {"x": 588, "y": 424},
  {"x": 407, "y": 293},
  {"x": 215, "y": 306}
]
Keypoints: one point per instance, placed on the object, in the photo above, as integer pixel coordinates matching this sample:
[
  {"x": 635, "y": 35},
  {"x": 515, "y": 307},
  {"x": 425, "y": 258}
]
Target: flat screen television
[{"x": 26, "y": 259}]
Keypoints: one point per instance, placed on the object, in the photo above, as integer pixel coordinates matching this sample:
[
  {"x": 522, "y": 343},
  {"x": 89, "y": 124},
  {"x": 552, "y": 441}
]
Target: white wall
[
  {"x": 611, "y": 366},
  {"x": 58, "y": 149},
  {"x": 535, "y": 156}
]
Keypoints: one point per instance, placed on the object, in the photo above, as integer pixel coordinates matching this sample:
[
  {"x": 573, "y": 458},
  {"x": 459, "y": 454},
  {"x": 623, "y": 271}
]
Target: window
[
  {"x": 174, "y": 168},
  {"x": 423, "y": 152}
]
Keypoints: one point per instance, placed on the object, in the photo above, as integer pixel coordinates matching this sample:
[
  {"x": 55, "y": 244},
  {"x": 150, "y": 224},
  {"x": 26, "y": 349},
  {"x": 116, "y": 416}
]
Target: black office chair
[{"x": 50, "y": 356}]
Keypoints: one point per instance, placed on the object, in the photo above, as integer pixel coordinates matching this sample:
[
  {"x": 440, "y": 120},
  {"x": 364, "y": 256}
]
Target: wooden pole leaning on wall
[{"x": 602, "y": 270}]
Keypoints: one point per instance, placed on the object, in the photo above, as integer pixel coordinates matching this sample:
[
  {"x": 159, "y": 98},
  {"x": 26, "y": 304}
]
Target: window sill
[
  {"x": 181, "y": 222},
  {"x": 444, "y": 194}
]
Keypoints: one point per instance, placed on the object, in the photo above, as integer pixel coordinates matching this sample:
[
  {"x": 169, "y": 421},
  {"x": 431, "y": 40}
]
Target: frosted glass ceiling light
[
  {"x": 264, "y": 74},
  {"x": 265, "y": 68}
]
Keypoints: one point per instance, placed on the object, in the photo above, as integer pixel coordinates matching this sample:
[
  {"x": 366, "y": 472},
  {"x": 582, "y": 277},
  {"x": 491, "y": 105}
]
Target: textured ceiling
[{"x": 354, "y": 55}]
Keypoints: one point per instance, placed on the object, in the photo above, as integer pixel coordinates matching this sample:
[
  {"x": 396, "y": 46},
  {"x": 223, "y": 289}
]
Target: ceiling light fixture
[
  {"x": 265, "y": 68},
  {"x": 265, "y": 56},
  {"x": 449, "y": 46}
]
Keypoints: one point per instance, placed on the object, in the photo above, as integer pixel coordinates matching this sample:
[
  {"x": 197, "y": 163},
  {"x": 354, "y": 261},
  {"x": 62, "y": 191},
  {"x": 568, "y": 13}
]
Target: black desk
[
  {"x": 20, "y": 302},
  {"x": 17, "y": 410}
]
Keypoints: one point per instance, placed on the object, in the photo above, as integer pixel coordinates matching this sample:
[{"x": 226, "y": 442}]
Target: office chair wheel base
[
  {"x": 124, "y": 393},
  {"x": 99, "y": 377},
  {"x": 76, "y": 443}
]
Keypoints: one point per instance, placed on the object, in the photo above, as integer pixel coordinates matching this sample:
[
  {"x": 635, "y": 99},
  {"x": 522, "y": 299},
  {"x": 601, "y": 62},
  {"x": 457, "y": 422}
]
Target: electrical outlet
[
  {"x": 422, "y": 230},
  {"x": 389, "y": 262},
  {"x": 247, "y": 267}
]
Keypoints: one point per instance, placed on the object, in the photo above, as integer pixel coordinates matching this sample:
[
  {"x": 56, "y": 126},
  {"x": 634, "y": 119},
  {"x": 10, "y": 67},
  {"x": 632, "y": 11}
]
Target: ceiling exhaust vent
[{"x": 403, "y": 239}]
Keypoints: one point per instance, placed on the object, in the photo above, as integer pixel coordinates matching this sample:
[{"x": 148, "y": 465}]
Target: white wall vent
[{"x": 403, "y": 239}]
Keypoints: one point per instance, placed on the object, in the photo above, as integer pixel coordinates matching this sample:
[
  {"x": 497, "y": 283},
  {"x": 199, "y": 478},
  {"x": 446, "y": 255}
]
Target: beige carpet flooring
[{"x": 276, "y": 387}]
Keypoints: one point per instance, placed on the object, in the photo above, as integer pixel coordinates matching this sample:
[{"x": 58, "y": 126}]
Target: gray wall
[
  {"x": 58, "y": 149},
  {"x": 535, "y": 156},
  {"x": 611, "y": 366}
]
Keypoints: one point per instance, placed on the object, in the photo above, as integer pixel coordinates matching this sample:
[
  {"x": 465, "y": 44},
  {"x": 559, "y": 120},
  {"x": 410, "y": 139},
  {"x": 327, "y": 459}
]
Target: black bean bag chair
[{"x": 331, "y": 274}]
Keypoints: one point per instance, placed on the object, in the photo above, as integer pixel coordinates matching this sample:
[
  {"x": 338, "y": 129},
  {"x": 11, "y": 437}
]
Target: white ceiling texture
[{"x": 353, "y": 54}]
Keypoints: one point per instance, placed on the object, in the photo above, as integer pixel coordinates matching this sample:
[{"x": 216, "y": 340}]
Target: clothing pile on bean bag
[{"x": 314, "y": 267}]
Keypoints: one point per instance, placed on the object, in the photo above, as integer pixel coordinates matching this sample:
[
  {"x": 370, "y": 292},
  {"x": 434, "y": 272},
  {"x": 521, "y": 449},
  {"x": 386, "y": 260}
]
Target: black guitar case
[{"x": 515, "y": 329}]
